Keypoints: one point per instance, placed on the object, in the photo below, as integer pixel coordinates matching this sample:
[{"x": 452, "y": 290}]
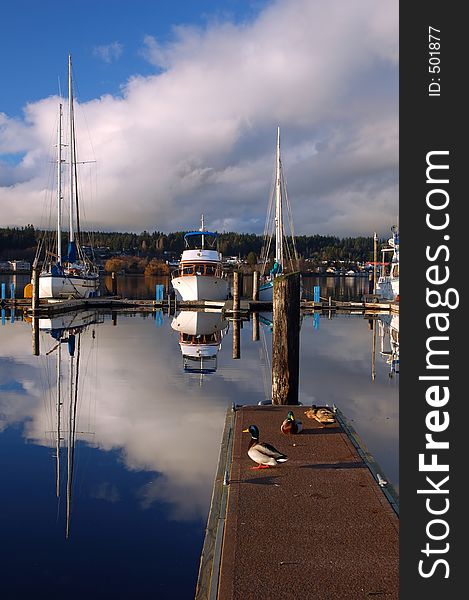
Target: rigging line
[{"x": 290, "y": 219}]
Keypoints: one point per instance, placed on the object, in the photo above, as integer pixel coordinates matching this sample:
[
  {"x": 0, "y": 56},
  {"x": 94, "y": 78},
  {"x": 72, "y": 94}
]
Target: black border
[{"x": 426, "y": 124}]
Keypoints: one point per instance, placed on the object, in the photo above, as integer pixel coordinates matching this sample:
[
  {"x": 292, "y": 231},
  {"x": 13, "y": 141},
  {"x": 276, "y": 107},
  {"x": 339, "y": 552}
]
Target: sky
[{"x": 177, "y": 108}]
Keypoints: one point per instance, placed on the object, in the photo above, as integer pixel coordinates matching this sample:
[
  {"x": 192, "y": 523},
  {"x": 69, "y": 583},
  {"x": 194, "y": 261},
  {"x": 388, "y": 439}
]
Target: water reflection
[
  {"x": 67, "y": 330},
  {"x": 144, "y": 438},
  {"x": 388, "y": 328},
  {"x": 200, "y": 336}
]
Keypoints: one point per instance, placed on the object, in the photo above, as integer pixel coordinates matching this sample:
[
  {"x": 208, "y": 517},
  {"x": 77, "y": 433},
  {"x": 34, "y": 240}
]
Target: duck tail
[{"x": 282, "y": 459}]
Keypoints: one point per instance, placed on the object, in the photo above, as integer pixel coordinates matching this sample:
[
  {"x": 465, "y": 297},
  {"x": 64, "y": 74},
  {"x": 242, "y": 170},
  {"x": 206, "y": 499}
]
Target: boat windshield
[{"x": 200, "y": 239}]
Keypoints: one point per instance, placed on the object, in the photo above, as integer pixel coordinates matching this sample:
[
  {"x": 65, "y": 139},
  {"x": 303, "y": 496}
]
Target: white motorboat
[
  {"x": 200, "y": 275},
  {"x": 387, "y": 285}
]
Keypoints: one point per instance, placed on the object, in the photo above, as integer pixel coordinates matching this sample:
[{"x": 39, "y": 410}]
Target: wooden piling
[
  {"x": 286, "y": 339},
  {"x": 236, "y": 339},
  {"x": 35, "y": 298},
  {"x": 236, "y": 281},
  {"x": 255, "y": 327},
  {"x": 35, "y": 324},
  {"x": 114, "y": 283},
  {"x": 255, "y": 285}
]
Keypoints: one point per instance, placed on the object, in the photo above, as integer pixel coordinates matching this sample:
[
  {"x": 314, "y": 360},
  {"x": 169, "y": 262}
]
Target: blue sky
[
  {"x": 36, "y": 34},
  {"x": 178, "y": 104}
]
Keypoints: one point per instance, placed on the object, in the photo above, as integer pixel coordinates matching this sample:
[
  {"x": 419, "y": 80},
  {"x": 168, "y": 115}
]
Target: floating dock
[
  {"x": 246, "y": 307},
  {"x": 323, "y": 525}
]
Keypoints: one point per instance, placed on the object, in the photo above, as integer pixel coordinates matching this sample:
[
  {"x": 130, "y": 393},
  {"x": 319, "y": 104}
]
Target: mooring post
[
  {"x": 255, "y": 327},
  {"x": 236, "y": 279},
  {"x": 35, "y": 298},
  {"x": 255, "y": 285},
  {"x": 12, "y": 291},
  {"x": 114, "y": 283},
  {"x": 35, "y": 336},
  {"x": 286, "y": 339},
  {"x": 3, "y": 291},
  {"x": 316, "y": 294},
  {"x": 236, "y": 339}
]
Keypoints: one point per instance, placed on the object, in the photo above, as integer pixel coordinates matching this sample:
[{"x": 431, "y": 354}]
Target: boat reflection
[
  {"x": 200, "y": 336},
  {"x": 67, "y": 329},
  {"x": 388, "y": 330}
]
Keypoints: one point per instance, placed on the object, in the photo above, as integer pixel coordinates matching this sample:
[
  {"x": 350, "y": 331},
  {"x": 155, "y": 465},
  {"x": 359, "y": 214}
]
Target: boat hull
[
  {"x": 200, "y": 287},
  {"x": 266, "y": 292},
  {"x": 68, "y": 286}
]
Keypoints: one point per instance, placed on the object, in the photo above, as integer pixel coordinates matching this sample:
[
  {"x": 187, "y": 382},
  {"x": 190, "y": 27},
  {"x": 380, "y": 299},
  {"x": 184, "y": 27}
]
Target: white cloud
[
  {"x": 199, "y": 134},
  {"x": 109, "y": 52}
]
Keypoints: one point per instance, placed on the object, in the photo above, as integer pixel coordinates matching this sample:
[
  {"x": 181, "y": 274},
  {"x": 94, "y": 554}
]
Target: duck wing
[
  {"x": 268, "y": 450},
  {"x": 325, "y": 414}
]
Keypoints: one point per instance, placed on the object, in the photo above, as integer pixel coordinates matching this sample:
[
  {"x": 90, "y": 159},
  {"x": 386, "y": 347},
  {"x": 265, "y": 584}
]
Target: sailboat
[
  {"x": 70, "y": 273},
  {"x": 200, "y": 275},
  {"x": 286, "y": 256}
]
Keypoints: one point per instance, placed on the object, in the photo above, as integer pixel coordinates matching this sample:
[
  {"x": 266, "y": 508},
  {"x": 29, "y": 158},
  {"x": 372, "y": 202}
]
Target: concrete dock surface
[{"x": 318, "y": 526}]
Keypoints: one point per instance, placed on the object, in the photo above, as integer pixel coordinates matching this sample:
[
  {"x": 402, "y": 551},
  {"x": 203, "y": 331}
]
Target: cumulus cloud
[{"x": 199, "y": 134}]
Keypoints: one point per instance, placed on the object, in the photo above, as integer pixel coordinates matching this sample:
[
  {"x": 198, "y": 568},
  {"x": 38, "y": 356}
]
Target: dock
[
  {"x": 323, "y": 525},
  {"x": 246, "y": 307}
]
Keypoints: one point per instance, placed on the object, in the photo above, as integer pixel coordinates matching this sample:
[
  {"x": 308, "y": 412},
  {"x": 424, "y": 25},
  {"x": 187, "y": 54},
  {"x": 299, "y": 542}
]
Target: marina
[{"x": 193, "y": 405}]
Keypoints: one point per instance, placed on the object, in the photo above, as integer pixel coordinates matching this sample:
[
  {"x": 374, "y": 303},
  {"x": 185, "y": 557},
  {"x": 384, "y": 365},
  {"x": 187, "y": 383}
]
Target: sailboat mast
[
  {"x": 278, "y": 208},
  {"x": 59, "y": 188},
  {"x": 59, "y": 403},
  {"x": 72, "y": 146},
  {"x": 70, "y": 448}
]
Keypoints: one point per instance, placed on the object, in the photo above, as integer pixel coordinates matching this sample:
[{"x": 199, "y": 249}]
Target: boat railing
[{"x": 203, "y": 269}]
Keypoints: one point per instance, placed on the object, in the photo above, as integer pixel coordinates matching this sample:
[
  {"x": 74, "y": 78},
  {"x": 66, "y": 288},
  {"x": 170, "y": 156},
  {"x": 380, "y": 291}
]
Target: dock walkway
[
  {"x": 319, "y": 526},
  {"x": 246, "y": 307}
]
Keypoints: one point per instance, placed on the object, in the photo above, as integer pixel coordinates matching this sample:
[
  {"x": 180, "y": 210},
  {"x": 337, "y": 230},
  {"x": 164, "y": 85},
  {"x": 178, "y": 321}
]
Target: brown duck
[{"x": 321, "y": 414}]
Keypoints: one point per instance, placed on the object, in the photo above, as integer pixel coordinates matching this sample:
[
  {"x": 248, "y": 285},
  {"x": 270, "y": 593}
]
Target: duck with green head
[
  {"x": 263, "y": 453},
  {"x": 290, "y": 425}
]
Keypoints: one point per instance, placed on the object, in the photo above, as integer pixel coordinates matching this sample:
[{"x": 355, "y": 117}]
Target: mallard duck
[
  {"x": 291, "y": 425},
  {"x": 261, "y": 452},
  {"x": 321, "y": 414}
]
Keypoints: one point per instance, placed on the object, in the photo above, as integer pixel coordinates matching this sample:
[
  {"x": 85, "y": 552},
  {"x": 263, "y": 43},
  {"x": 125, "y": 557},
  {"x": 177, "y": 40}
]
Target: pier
[
  {"x": 322, "y": 525},
  {"x": 246, "y": 307}
]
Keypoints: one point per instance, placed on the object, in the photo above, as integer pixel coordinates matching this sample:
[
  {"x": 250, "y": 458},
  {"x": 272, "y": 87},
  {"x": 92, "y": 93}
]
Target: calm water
[{"x": 140, "y": 430}]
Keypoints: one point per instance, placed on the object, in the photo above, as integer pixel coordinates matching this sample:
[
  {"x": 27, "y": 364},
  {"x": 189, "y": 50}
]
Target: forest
[{"x": 21, "y": 243}]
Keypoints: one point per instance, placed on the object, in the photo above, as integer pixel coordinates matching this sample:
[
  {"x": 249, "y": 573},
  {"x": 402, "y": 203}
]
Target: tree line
[{"x": 21, "y": 242}]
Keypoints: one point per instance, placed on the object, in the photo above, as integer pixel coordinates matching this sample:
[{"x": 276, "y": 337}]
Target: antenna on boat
[{"x": 202, "y": 228}]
